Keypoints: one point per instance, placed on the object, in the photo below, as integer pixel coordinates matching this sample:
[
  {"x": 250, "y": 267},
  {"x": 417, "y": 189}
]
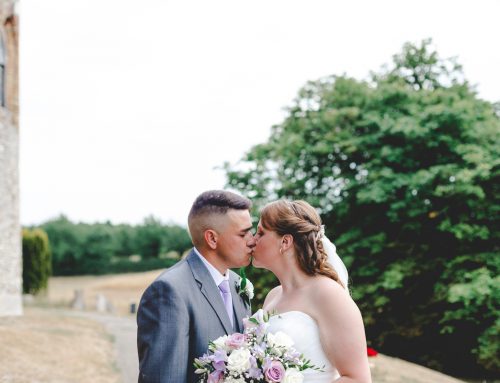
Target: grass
[{"x": 44, "y": 345}]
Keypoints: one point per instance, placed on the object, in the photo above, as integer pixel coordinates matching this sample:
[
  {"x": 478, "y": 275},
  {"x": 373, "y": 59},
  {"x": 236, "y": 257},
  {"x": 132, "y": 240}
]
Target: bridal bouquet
[{"x": 257, "y": 356}]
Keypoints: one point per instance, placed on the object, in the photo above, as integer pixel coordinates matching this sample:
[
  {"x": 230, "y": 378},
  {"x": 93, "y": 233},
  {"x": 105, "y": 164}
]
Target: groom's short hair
[{"x": 210, "y": 203}]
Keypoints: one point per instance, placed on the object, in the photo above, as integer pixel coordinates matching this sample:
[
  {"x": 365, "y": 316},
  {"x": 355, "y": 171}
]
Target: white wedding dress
[{"x": 304, "y": 331}]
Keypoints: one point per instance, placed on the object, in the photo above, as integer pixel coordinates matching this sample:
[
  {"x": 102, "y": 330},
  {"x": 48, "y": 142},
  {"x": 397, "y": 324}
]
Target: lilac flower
[
  {"x": 293, "y": 356},
  {"x": 219, "y": 366},
  {"x": 219, "y": 356},
  {"x": 266, "y": 363},
  {"x": 261, "y": 330},
  {"x": 205, "y": 358},
  {"x": 259, "y": 350},
  {"x": 253, "y": 361},
  {"x": 254, "y": 372}
]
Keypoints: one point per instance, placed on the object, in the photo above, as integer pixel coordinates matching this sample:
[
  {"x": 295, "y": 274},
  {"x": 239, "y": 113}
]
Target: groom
[{"x": 196, "y": 301}]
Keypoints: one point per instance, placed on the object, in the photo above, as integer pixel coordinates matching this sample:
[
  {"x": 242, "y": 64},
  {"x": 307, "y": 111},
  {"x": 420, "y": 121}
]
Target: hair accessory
[{"x": 321, "y": 232}]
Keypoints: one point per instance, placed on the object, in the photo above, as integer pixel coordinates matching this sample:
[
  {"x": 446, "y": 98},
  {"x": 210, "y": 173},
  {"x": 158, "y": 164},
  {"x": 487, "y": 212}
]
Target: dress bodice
[{"x": 304, "y": 331}]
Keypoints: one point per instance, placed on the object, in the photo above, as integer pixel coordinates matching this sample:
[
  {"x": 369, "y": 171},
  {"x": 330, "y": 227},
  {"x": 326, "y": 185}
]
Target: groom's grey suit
[{"x": 179, "y": 313}]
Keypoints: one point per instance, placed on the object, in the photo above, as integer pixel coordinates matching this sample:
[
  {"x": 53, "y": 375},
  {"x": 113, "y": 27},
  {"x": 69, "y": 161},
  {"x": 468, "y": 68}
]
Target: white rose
[
  {"x": 239, "y": 361},
  {"x": 292, "y": 375},
  {"x": 220, "y": 343},
  {"x": 279, "y": 339},
  {"x": 231, "y": 379},
  {"x": 249, "y": 289}
]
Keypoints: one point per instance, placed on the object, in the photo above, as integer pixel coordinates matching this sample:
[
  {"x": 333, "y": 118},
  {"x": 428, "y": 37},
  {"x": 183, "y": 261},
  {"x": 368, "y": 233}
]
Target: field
[
  {"x": 49, "y": 345},
  {"x": 119, "y": 290},
  {"x": 46, "y": 346}
]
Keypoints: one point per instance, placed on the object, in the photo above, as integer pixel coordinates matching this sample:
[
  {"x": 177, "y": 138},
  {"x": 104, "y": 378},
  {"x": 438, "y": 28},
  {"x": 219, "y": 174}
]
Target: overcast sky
[{"x": 127, "y": 107}]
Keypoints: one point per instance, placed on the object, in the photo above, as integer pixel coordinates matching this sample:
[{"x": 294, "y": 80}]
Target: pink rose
[
  {"x": 275, "y": 372},
  {"x": 236, "y": 340}
]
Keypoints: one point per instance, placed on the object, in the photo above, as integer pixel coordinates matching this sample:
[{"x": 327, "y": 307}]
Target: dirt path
[
  {"x": 124, "y": 333},
  {"x": 47, "y": 345},
  {"x": 386, "y": 369}
]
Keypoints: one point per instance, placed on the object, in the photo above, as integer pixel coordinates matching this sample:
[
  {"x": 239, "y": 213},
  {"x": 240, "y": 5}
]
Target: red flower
[{"x": 371, "y": 351}]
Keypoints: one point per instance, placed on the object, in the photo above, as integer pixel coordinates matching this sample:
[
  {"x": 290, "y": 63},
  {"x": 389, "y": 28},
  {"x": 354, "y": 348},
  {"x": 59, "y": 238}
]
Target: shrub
[{"x": 36, "y": 261}]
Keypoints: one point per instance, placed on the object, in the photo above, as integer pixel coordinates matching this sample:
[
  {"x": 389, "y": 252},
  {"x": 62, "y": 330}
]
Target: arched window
[{"x": 2, "y": 72}]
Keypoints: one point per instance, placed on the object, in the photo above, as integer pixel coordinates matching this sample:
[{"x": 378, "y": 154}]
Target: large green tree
[{"x": 404, "y": 169}]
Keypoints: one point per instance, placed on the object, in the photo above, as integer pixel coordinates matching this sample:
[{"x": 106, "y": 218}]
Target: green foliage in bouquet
[
  {"x": 36, "y": 261},
  {"x": 404, "y": 170}
]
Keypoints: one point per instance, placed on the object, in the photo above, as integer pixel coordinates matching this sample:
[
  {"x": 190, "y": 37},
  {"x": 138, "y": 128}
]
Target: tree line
[{"x": 102, "y": 248}]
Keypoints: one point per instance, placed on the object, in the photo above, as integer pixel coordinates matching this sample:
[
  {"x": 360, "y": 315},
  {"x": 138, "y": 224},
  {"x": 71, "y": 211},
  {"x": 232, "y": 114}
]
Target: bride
[{"x": 312, "y": 302}]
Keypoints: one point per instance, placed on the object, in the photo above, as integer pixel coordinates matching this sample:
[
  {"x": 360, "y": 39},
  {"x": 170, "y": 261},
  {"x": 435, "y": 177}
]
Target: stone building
[{"x": 10, "y": 229}]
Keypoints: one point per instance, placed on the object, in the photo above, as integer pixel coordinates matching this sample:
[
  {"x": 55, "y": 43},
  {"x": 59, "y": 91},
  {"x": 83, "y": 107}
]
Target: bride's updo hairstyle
[{"x": 303, "y": 223}]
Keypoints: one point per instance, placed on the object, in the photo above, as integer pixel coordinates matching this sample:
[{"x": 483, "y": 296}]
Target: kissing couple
[{"x": 198, "y": 300}]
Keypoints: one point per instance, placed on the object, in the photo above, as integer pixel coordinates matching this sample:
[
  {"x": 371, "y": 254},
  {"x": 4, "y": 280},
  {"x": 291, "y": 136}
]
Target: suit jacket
[{"x": 179, "y": 314}]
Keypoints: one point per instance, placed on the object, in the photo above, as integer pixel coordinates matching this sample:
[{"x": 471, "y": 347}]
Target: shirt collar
[{"x": 216, "y": 275}]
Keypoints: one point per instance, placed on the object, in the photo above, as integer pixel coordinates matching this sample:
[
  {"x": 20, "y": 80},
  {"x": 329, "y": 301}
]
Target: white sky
[{"x": 128, "y": 106}]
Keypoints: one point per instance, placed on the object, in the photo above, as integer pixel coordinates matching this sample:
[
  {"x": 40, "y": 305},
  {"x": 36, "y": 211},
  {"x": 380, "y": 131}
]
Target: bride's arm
[{"x": 342, "y": 333}]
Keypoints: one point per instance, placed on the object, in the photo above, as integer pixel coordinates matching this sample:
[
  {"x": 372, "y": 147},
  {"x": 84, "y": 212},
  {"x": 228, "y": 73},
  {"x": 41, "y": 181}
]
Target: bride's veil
[{"x": 333, "y": 258}]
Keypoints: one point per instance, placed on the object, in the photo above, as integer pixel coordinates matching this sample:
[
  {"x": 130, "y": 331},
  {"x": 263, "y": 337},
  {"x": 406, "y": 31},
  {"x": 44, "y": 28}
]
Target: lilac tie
[{"x": 226, "y": 297}]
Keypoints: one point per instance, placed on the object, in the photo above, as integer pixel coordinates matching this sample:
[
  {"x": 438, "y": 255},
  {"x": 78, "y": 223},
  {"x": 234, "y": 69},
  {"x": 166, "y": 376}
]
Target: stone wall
[{"x": 10, "y": 229}]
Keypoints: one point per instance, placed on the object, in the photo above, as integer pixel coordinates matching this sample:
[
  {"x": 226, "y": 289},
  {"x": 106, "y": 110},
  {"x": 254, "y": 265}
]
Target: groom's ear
[{"x": 211, "y": 238}]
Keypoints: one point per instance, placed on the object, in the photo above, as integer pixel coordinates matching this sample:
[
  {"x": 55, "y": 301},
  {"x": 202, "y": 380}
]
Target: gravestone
[
  {"x": 101, "y": 303},
  {"x": 78, "y": 302}
]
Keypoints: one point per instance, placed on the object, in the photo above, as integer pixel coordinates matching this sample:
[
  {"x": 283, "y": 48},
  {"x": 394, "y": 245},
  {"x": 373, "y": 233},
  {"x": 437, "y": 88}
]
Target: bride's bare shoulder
[
  {"x": 271, "y": 296},
  {"x": 331, "y": 299},
  {"x": 328, "y": 290}
]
